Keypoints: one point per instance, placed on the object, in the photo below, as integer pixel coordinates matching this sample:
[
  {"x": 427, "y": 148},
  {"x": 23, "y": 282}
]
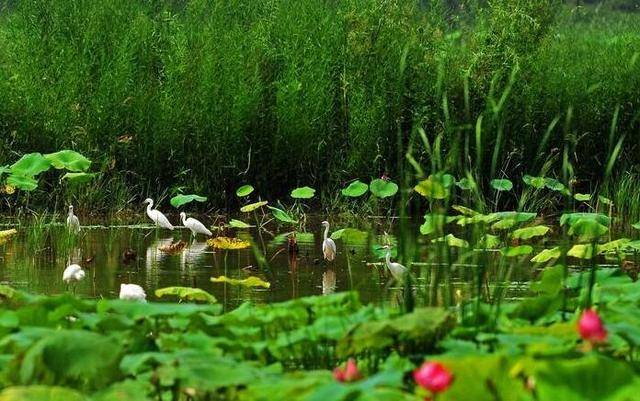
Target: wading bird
[
  {"x": 194, "y": 225},
  {"x": 328, "y": 246},
  {"x": 73, "y": 224},
  {"x": 156, "y": 216},
  {"x": 132, "y": 292},
  {"x": 73, "y": 273},
  {"x": 397, "y": 270}
]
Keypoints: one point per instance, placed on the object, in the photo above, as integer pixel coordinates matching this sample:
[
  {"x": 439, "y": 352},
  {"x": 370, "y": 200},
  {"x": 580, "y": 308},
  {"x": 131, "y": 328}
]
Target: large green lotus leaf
[
  {"x": 40, "y": 393},
  {"x": 592, "y": 377},
  {"x": 383, "y": 188},
  {"x": 551, "y": 281},
  {"x": 25, "y": 183},
  {"x": 588, "y": 229},
  {"x": 303, "y": 193},
  {"x": 502, "y": 184},
  {"x": 351, "y": 236},
  {"x": 452, "y": 240},
  {"x": 30, "y": 165},
  {"x": 432, "y": 188},
  {"x": 530, "y": 232},
  {"x": 250, "y": 281},
  {"x": 282, "y": 215},
  {"x": 253, "y": 206},
  {"x": 515, "y": 251},
  {"x": 181, "y": 200},
  {"x": 536, "y": 182},
  {"x": 129, "y": 390},
  {"x": 572, "y": 218},
  {"x": 69, "y": 160},
  {"x": 581, "y": 251},
  {"x": 355, "y": 189},
  {"x": 423, "y": 327},
  {"x": 186, "y": 294},
  {"x": 239, "y": 224},
  {"x": 244, "y": 190},
  {"x": 140, "y": 310},
  {"x": 79, "y": 178},
  {"x": 71, "y": 356},
  {"x": 547, "y": 254},
  {"x": 472, "y": 373}
]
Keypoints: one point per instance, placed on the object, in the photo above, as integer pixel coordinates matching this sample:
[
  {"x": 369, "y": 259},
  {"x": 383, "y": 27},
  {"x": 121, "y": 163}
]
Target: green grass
[{"x": 285, "y": 93}]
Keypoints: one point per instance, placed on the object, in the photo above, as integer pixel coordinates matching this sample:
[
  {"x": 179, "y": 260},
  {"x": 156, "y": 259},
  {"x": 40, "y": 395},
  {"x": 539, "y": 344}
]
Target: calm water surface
[{"x": 35, "y": 259}]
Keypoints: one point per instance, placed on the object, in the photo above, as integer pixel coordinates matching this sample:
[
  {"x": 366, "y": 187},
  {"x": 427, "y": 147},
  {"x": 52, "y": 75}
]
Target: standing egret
[
  {"x": 328, "y": 246},
  {"x": 132, "y": 292},
  {"x": 397, "y": 270},
  {"x": 73, "y": 273},
  {"x": 72, "y": 221},
  {"x": 156, "y": 216},
  {"x": 194, "y": 225}
]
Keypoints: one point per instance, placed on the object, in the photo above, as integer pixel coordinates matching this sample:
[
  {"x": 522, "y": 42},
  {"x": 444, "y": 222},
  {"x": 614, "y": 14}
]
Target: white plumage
[
  {"x": 328, "y": 246},
  {"x": 132, "y": 292},
  {"x": 397, "y": 270},
  {"x": 73, "y": 273},
  {"x": 156, "y": 216},
  {"x": 194, "y": 225},
  {"x": 73, "y": 223}
]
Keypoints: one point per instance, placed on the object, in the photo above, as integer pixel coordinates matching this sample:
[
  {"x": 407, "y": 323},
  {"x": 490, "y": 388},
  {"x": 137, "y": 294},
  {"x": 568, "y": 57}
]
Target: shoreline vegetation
[{"x": 204, "y": 96}]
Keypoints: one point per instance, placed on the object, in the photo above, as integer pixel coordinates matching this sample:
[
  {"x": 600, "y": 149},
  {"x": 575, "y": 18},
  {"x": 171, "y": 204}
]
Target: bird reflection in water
[{"x": 328, "y": 282}]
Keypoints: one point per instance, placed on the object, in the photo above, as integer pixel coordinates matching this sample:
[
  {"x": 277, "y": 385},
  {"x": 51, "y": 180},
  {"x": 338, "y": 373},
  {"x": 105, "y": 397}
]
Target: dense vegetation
[{"x": 212, "y": 94}]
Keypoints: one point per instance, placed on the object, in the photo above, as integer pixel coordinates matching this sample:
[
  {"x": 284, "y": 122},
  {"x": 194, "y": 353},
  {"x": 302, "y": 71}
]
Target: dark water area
[{"x": 34, "y": 259}]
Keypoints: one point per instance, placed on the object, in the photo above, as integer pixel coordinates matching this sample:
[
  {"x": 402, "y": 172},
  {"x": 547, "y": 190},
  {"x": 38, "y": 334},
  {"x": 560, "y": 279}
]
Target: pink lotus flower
[
  {"x": 433, "y": 376},
  {"x": 591, "y": 328},
  {"x": 349, "y": 374}
]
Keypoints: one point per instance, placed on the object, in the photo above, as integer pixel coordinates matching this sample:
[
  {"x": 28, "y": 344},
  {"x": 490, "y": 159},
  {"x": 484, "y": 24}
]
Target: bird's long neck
[
  {"x": 388, "y": 257},
  {"x": 326, "y": 232},
  {"x": 149, "y": 206},
  {"x": 183, "y": 217},
  {"x": 70, "y": 212}
]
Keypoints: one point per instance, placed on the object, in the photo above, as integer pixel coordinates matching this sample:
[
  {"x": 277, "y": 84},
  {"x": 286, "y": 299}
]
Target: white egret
[
  {"x": 132, "y": 292},
  {"x": 397, "y": 270},
  {"x": 328, "y": 246},
  {"x": 73, "y": 273},
  {"x": 194, "y": 225},
  {"x": 73, "y": 223},
  {"x": 156, "y": 216}
]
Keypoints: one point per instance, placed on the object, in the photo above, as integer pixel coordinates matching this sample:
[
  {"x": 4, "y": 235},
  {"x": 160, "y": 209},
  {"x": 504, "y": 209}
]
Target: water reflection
[{"x": 35, "y": 261}]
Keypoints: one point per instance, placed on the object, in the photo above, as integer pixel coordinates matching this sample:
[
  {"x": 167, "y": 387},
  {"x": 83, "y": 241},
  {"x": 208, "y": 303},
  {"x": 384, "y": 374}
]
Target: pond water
[{"x": 35, "y": 258}]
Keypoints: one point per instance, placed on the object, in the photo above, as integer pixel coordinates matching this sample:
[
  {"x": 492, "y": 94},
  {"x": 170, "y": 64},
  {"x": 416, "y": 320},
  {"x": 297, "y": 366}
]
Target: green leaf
[
  {"x": 40, "y": 393},
  {"x": 252, "y": 206},
  {"x": 303, "y": 193},
  {"x": 355, "y": 189},
  {"x": 69, "y": 160},
  {"x": 70, "y": 355},
  {"x": 383, "y": 188},
  {"x": 79, "y": 178},
  {"x": 187, "y": 294},
  {"x": 547, "y": 254},
  {"x": 572, "y": 218},
  {"x": 536, "y": 182},
  {"x": 22, "y": 182},
  {"x": 432, "y": 223},
  {"x": 239, "y": 224},
  {"x": 515, "y": 251},
  {"x": 244, "y": 190},
  {"x": 282, "y": 215},
  {"x": 530, "y": 232},
  {"x": 582, "y": 197},
  {"x": 488, "y": 241},
  {"x": 452, "y": 240},
  {"x": 30, "y": 165},
  {"x": 466, "y": 184},
  {"x": 181, "y": 200},
  {"x": 551, "y": 281},
  {"x": 251, "y": 281},
  {"x": 587, "y": 229},
  {"x": 605, "y": 200},
  {"x": 555, "y": 185},
  {"x": 432, "y": 188},
  {"x": 581, "y": 251},
  {"x": 502, "y": 184},
  {"x": 350, "y": 235}
]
